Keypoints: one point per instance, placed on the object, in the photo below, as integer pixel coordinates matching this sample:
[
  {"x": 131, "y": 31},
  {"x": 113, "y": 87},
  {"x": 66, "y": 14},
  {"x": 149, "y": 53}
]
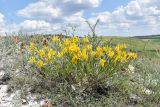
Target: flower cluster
[{"x": 68, "y": 54}]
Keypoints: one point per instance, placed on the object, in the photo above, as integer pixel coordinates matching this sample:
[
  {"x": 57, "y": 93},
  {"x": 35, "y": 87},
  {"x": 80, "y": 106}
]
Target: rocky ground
[{"x": 8, "y": 99}]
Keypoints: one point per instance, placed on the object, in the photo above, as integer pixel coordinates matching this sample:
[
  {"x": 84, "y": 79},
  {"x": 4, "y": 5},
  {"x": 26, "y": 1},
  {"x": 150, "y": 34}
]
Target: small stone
[
  {"x": 2, "y": 83},
  {"x": 17, "y": 71},
  {"x": 133, "y": 99},
  {"x": 147, "y": 91},
  {"x": 73, "y": 87},
  {"x": 3, "y": 89},
  {"x": 5, "y": 78},
  {"x": 24, "y": 101},
  {"x": 42, "y": 102},
  {"x": 131, "y": 68},
  {"x": 46, "y": 103},
  {"x": 2, "y": 74},
  {"x": 134, "y": 96}
]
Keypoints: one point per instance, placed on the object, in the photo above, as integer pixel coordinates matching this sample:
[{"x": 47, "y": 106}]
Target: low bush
[{"x": 78, "y": 60}]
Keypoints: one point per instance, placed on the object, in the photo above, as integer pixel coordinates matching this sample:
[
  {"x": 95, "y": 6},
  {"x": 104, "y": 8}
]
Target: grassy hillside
[
  {"x": 147, "y": 48},
  {"x": 148, "y": 37},
  {"x": 133, "y": 85}
]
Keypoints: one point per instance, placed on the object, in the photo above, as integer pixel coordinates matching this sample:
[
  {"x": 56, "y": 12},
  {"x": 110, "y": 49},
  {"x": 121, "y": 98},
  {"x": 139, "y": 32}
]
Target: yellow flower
[
  {"x": 74, "y": 39},
  {"x": 60, "y": 54},
  {"x": 117, "y": 58},
  {"x": 40, "y": 64},
  {"x": 110, "y": 54},
  {"x": 124, "y": 56},
  {"x": 106, "y": 49},
  {"x": 32, "y": 47},
  {"x": 66, "y": 42},
  {"x": 102, "y": 62},
  {"x": 120, "y": 47},
  {"x": 132, "y": 56},
  {"x": 74, "y": 59},
  {"x": 93, "y": 53},
  {"x": 65, "y": 50},
  {"x": 41, "y": 53},
  {"x": 84, "y": 55},
  {"x": 87, "y": 47},
  {"x": 55, "y": 39},
  {"x": 98, "y": 48},
  {"x": 51, "y": 54},
  {"x": 73, "y": 48},
  {"x": 85, "y": 40},
  {"x": 32, "y": 60},
  {"x": 99, "y": 52},
  {"x": 60, "y": 45},
  {"x": 46, "y": 48}
]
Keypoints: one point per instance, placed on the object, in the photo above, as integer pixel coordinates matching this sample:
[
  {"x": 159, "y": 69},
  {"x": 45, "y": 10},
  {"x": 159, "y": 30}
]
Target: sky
[{"x": 117, "y": 17}]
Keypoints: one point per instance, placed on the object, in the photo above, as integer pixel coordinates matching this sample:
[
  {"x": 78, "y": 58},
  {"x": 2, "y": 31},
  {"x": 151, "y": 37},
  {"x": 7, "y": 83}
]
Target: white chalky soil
[
  {"x": 5, "y": 99},
  {"x": 11, "y": 99}
]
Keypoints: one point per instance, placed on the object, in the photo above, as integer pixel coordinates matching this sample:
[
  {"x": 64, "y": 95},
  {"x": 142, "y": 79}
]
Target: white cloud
[
  {"x": 48, "y": 14},
  {"x": 75, "y": 18},
  {"x": 147, "y": 2},
  {"x": 7, "y": 28},
  {"x": 133, "y": 10},
  {"x": 51, "y": 10},
  {"x": 1, "y": 18},
  {"x": 138, "y": 17},
  {"x": 2, "y": 23},
  {"x": 40, "y": 10},
  {"x": 38, "y": 26},
  {"x": 34, "y": 24}
]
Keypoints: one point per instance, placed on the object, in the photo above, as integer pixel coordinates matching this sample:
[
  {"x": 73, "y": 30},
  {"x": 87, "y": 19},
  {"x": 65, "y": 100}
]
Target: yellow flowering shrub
[{"x": 76, "y": 56}]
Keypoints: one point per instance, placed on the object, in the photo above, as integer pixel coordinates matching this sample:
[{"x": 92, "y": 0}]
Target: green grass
[
  {"x": 135, "y": 43},
  {"x": 149, "y": 48},
  {"x": 119, "y": 88}
]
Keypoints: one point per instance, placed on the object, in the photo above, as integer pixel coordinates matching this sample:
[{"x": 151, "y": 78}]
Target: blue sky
[
  {"x": 117, "y": 17},
  {"x": 10, "y": 7},
  {"x": 109, "y": 5}
]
